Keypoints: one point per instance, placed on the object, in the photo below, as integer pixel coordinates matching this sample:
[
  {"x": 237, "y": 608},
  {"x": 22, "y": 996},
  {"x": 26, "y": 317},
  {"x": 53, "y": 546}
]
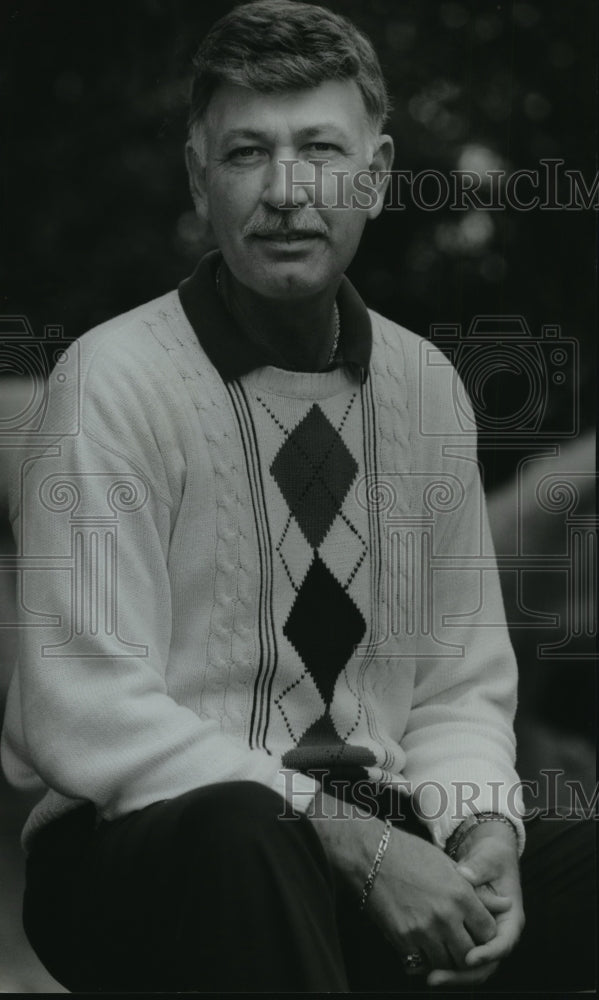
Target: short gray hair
[{"x": 280, "y": 45}]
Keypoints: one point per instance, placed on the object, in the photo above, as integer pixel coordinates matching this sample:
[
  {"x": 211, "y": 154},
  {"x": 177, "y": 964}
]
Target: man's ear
[
  {"x": 380, "y": 165},
  {"x": 196, "y": 171}
]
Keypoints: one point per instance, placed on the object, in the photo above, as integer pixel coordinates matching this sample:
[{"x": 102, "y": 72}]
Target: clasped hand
[{"x": 462, "y": 917}]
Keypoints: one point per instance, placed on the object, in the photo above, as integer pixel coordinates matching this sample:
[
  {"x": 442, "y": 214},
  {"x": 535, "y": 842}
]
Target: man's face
[{"x": 299, "y": 249}]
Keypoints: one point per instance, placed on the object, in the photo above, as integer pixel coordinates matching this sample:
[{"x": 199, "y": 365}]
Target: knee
[{"x": 233, "y": 813}]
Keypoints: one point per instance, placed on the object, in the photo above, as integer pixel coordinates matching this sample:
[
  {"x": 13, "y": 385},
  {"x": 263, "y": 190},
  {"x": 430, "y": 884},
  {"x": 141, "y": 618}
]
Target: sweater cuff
[{"x": 443, "y": 806}]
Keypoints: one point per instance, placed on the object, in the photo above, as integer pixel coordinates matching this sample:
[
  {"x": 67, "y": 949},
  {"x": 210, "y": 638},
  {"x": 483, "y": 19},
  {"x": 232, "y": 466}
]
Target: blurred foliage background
[{"x": 96, "y": 218}]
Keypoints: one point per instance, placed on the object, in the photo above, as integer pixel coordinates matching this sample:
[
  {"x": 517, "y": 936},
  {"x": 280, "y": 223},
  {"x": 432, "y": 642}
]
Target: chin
[
  {"x": 291, "y": 281},
  {"x": 292, "y": 287}
]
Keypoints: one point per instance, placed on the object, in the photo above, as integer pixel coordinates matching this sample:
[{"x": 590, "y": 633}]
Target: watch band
[{"x": 458, "y": 836}]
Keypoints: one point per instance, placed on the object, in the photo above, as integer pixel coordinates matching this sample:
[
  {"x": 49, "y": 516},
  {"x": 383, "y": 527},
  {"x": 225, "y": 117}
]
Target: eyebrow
[{"x": 308, "y": 132}]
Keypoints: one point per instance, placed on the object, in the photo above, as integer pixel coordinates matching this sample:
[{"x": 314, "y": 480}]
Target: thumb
[
  {"x": 479, "y": 864},
  {"x": 470, "y": 871},
  {"x": 477, "y": 869}
]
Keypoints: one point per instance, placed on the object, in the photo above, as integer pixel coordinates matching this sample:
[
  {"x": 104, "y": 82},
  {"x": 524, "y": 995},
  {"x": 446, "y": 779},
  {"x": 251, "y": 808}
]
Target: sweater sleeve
[
  {"x": 98, "y": 722},
  {"x": 459, "y": 740}
]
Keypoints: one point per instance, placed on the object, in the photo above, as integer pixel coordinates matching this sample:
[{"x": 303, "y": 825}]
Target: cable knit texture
[{"x": 285, "y": 574}]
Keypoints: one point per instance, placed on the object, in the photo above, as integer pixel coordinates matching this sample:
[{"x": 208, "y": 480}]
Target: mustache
[{"x": 285, "y": 226}]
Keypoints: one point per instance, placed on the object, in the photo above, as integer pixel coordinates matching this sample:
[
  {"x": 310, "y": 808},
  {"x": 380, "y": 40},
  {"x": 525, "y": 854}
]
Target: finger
[
  {"x": 479, "y": 922},
  {"x": 410, "y": 946},
  {"x": 415, "y": 973},
  {"x": 418, "y": 970},
  {"x": 445, "y": 977},
  {"x": 459, "y": 944},
  {"x": 479, "y": 868},
  {"x": 508, "y": 932},
  {"x": 435, "y": 954},
  {"x": 492, "y": 900}
]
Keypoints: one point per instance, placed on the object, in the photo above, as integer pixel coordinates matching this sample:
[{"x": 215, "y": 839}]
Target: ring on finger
[{"x": 413, "y": 961}]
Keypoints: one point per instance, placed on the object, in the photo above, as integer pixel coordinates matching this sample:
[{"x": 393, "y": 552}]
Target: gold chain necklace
[{"x": 336, "y": 337}]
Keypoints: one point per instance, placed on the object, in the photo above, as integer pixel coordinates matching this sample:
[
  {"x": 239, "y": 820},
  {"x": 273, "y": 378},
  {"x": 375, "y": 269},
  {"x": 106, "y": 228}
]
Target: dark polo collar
[{"x": 232, "y": 353}]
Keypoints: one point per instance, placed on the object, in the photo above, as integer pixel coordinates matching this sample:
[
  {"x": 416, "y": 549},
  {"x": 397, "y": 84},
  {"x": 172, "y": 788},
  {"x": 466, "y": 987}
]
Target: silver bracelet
[
  {"x": 458, "y": 836},
  {"x": 376, "y": 864}
]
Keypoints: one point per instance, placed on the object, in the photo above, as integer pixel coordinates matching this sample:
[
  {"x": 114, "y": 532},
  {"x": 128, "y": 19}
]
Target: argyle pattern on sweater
[{"x": 305, "y": 459}]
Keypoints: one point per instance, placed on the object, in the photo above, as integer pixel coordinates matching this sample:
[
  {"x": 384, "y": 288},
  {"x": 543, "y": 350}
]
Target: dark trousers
[{"x": 213, "y": 892}]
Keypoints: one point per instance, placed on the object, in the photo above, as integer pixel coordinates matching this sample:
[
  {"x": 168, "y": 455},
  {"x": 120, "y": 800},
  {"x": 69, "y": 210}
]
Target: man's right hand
[
  {"x": 419, "y": 899},
  {"x": 422, "y": 903}
]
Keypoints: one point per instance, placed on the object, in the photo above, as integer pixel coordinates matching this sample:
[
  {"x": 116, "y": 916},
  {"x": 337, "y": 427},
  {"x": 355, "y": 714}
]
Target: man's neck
[{"x": 298, "y": 334}]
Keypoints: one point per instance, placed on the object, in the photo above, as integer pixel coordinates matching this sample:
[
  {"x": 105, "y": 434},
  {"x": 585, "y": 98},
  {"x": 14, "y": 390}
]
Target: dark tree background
[{"x": 96, "y": 215}]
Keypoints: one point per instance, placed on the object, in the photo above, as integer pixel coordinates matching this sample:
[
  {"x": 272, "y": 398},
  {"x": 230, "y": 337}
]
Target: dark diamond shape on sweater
[
  {"x": 314, "y": 470},
  {"x": 322, "y": 733},
  {"x": 324, "y": 626},
  {"x": 322, "y": 747}
]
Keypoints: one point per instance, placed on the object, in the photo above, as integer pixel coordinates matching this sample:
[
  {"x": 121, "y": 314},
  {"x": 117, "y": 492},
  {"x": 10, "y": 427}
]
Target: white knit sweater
[{"x": 165, "y": 540}]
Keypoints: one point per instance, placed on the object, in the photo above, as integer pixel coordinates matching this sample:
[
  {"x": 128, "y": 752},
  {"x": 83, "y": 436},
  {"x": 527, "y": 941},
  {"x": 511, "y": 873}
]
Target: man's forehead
[{"x": 335, "y": 105}]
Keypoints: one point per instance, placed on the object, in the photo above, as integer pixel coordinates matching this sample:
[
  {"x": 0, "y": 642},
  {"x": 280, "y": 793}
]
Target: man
[{"x": 255, "y": 778}]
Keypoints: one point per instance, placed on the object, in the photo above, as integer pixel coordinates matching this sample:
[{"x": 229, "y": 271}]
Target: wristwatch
[{"x": 458, "y": 836}]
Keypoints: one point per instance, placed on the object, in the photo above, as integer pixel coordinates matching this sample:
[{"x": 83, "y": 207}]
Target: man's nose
[{"x": 289, "y": 184}]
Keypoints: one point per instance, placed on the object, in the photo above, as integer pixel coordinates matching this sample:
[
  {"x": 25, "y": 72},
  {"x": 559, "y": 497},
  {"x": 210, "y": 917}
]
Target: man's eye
[{"x": 244, "y": 153}]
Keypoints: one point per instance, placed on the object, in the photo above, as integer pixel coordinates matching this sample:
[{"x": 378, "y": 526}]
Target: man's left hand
[{"x": 488, "y": 859}]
